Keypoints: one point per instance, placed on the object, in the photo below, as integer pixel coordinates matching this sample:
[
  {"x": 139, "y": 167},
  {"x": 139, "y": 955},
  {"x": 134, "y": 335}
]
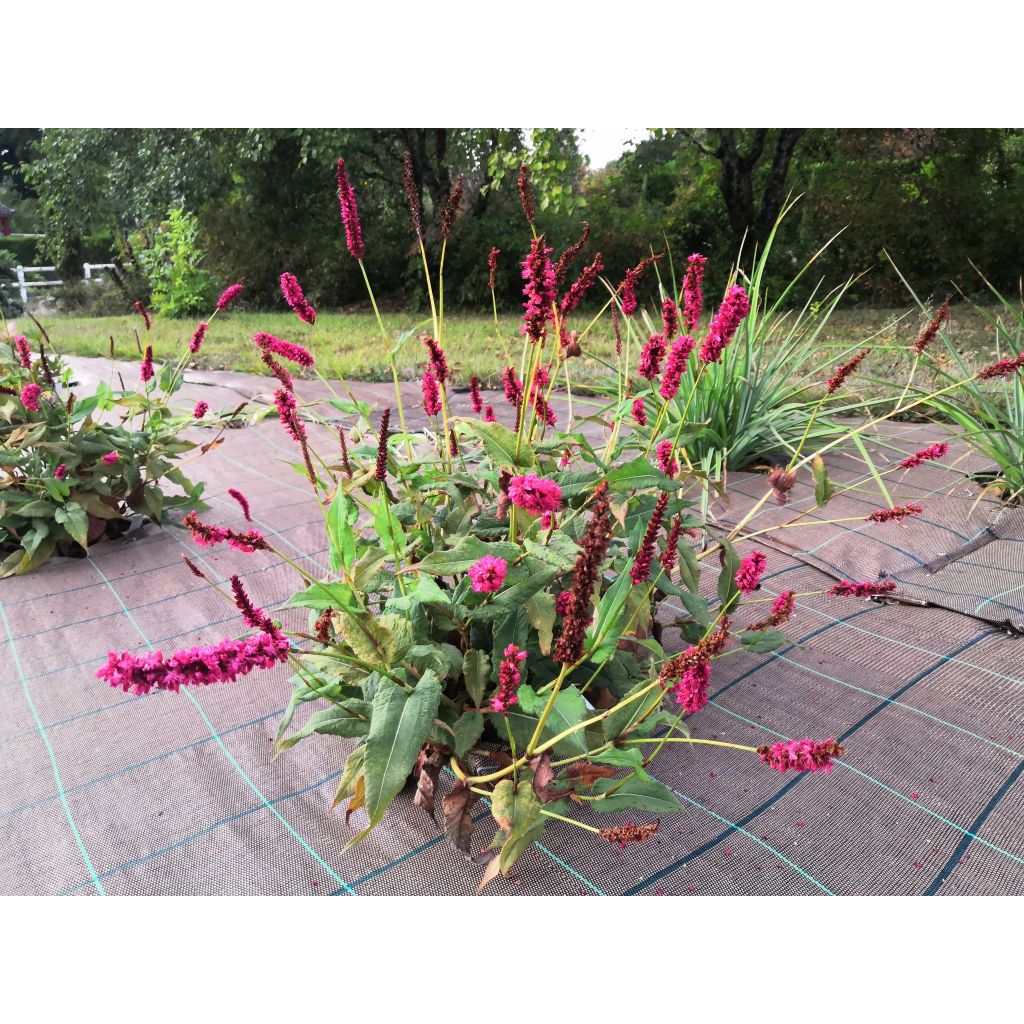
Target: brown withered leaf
[
  {"x": 586, "y": 774},
  {"x": 491, "y": 872},
  {"x": 543, "y": 776},
  {"x": 358, "y": 798},
  {"x": 428, "y": 767},
  {"x": 457, "y": 811}
]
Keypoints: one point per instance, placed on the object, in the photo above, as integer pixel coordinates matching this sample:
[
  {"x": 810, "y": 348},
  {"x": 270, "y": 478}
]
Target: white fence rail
[{"x": 23, "y": 283}]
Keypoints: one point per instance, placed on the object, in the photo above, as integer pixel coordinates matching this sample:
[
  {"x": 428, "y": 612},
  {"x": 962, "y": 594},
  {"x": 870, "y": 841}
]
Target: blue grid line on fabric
[
  {"x": 748, "y": 818},
  {"x": 1016, "y": 680},
  {"x": 916, "y": 804},
  {"x": 1002, "y": 593},
  {"x": 964, "y": 843},
  {"x": 140, "y": 764},
  {"x": 238, "y": 816},
  {"x": 408, "y": 855},
  {"x": 68, "y": 721},
  {"x": 158, "y": 601},
  {"x": 900, "y": 578},
  {"x": 771, "y": 849},
  {"x": 781, "y": 655},
  {"x": 245, "y": 777},
  {"x": 901, "y": 704},
  {"x": 53, "y": 759}
]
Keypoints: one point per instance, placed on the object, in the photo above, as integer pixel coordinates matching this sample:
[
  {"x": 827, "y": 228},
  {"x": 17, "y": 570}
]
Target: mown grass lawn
[{"x": 350, "y": 344}]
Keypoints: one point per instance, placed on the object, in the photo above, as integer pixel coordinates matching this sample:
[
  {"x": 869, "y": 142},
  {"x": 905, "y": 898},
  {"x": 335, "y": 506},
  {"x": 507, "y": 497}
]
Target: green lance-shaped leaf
[
  {"x": 765, "y": 640},
  {"x": 458, "y": 559},
  {"x": 353, "y": 769},
  {"x": 476, "y": 670},
  {"x": 540, "y": 609},
  {"x": 727, "y": 589},
  {"x": 516, "y": 809},
  {"x": 73, "y": 518},
  {"x": 608, "y": 623},
  {"x": 624, "y": 720},
  {"x": 350, "y": 719},
  {"x": 637, "y": 475},
  {"x": 500, "y": 445},
  {"x": 340, "y": 519},
  {"x": 823, "y": 486},
  {"x": 523, "y": 581},
  {"x": 568, "y": 710},
  {"x": 373, "y": 640},
  {"x": 467, "y": 731},
  {"x": 643, "y": 794},
  {"x": 400, "y": 725},
  {"x": 319, "y": 596}
]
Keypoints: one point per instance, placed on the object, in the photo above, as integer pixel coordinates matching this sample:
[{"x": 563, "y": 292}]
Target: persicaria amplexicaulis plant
[
  {"x": 493, "y": 613},
  {"x": 77, "y": 466}
]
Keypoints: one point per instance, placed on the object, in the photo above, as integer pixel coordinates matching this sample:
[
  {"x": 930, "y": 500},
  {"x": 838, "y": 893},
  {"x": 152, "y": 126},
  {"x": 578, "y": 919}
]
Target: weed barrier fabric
[
  {"x": 964, "y": 552},
  {"x": 107, "y": 793}
]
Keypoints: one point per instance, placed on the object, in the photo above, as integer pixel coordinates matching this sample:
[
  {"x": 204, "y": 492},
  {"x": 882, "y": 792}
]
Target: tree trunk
[{"x": 751, "y": 220}]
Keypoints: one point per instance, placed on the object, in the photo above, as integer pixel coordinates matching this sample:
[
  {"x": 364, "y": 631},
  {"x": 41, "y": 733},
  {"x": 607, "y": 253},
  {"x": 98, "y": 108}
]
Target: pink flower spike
[
  {"x": 850, "y": 588},
  {"x": 676, "y": 365},
  {"x": 243, "y": 503},
  {"x": 196, "y": 666},
  {"x": 228, "y": 296},
  {"x": 535, "y": 494},
  {"x": 735, "y": 307},
  {"x": 804, "y": 755},
  {"x": 292, "y": 292},
  {"x": 489, "y": 416},
  {"x": 509, "y": 680},
  {"x": 349, "y": 213},
  {"x": 146, "y": 369},
  {"x": 933, "y": 451},
  {"x": 431, "y": 394},
  {"x": 895, "y": 514},
  {"x": 693, "y": 298},
  {"x": 198, "y": 337},
  {"x": 144, "y": 313},
  {"x": 488, "y": 574},
  {"x": 201, "y": 409},
  {"x": 651, "y": 356},
  {"x": 748, "y": 576},
  {"x": 639, "y": 412},
  {"x": 285, "y": 349},
  {"x": 24, "y": 352},
  {"x": 30, "y": 397},
  {"x": 110, "y": 458},
  {"x": 60, "y": 472}
]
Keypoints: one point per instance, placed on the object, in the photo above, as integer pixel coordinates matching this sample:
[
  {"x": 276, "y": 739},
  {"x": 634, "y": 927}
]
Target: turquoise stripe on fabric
[{"x": 53, "y": 757}]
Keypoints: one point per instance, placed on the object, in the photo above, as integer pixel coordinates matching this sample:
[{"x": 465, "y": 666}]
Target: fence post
[
  {"x": 87, "y": 270},
  {"x": 21, "y": 284}
]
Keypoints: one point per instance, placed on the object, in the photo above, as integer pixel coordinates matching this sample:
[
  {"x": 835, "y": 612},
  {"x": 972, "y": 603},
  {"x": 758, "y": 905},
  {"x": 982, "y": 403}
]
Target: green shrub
[
  {"x": 76, "y": 467},
  {"x": 171, "y": 263}
]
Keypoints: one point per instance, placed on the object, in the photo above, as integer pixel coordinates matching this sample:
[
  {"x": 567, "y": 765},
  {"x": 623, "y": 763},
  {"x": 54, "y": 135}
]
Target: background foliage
[{"x": 262, "y": 199}]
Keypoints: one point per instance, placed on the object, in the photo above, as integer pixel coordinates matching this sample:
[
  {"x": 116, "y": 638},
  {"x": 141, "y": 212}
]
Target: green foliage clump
[
  {"x": 171, "y": 263},
  {"x": 74, "y": 469}
]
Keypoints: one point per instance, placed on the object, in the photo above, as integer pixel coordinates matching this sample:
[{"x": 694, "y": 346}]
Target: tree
[{"x": 754, "y": 166}]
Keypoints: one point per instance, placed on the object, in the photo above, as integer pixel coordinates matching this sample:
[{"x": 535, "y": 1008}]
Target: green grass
[{"x": 350, "y": 345}]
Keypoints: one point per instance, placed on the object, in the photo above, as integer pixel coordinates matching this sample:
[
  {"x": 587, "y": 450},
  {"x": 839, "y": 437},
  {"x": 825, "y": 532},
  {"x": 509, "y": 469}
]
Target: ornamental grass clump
[
  {"x": 75, "y": 467},
  {"x": 513, "y": 612},
  {"x": 987, "y": 404}
]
